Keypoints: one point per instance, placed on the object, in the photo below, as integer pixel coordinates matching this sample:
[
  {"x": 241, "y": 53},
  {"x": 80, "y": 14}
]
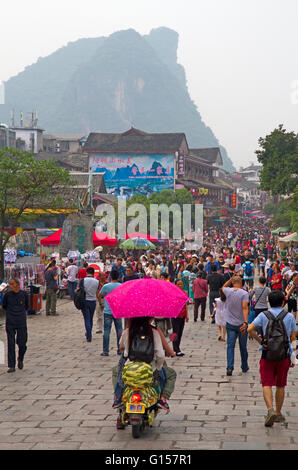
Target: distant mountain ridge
[{"x": 109, "y": 84}]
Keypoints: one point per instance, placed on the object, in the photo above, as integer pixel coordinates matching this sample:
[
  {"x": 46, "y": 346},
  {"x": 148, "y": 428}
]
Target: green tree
[
  {"x": 293, "y": 211},
  {"x": 279, "y": 157},
  {"x": 26, "y": 183}
]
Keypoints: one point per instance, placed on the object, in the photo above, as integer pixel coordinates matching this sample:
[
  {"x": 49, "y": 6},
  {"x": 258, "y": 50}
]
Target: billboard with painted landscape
[{"x": 126, "y": 175}]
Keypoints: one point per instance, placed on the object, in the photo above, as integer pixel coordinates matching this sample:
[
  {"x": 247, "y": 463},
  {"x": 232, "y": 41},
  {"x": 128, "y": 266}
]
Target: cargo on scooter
[{"x": 142, "y": 381}]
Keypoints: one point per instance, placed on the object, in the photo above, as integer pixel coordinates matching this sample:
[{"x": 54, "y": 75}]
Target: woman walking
[
  {"x": 178, "y": 324},
  {"x": 139, "y": 271},
  {"x": 100, "y": 303},
  {"x": 193, "y": 275},
  {"x": 259, "y": 295}
]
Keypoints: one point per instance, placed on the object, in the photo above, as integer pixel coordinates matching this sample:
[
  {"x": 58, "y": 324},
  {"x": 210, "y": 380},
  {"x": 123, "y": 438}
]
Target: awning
[
  {"x": 279, "y": 230},
  {"x": 103, "y": 239},
  {"x": 53, "y": 239},
  {"x": 141, "y": 235},
  {"x": 98, "y": 239},
  {"x": 292, "y": 237}
]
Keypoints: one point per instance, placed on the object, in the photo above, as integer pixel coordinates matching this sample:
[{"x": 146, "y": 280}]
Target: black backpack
[
  {"x": 141, "y": 348},
  {"x": 80, "y": 296},
  {"x": 276, "y": 341}
]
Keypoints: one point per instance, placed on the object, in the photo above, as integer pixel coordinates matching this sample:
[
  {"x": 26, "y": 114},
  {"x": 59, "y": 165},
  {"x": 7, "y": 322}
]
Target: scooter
[
  {"x": 62, "y": 289},
  {"x": 139, "y": 400}
]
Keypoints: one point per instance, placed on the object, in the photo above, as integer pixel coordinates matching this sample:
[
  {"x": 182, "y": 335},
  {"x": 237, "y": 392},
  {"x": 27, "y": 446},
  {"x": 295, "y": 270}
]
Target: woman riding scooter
[{"x": 163, "y": 374}]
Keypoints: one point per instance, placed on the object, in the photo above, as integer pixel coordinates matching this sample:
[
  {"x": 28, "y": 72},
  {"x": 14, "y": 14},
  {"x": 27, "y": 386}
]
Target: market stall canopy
[
  {"x": 98, "y": 239},
  {"x": 292, "y": 237},
  {"x": 278, "y": 230},
  {"x": 53, "y": 239},
  {"x": 141, "y": 235},
  {"x": 103, "y": 239}
]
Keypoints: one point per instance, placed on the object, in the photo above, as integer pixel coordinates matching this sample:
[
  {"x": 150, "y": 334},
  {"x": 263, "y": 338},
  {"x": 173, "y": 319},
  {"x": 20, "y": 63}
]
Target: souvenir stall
[
  {"x": 100, "y": 240},
  {"x": 48, "y": 244},
  {"x": 31, "y": 280},
  {"x": 10, "y": 256}
]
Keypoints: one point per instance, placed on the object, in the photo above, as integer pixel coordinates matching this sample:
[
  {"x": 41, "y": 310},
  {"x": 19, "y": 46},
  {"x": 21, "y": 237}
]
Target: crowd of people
[{"x": 233, "y": 274}]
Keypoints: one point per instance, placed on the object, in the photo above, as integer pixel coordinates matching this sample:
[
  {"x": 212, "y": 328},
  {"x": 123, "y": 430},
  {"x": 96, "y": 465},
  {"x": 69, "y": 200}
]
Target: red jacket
[{"x": 200, "y": 288}]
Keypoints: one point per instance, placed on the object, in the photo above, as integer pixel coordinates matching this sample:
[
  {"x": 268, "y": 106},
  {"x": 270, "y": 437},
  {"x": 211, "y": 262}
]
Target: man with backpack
[
  {"x": 278, "y": 332},
  {"x": 248, "y": 272},
  {"x": 91, "y": 288},
  {"x": 108, "y": 316}
]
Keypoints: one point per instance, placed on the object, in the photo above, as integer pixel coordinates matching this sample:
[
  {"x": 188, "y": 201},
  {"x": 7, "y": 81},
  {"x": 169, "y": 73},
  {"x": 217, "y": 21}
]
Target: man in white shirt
[
  {"x": 91, "y": 287},
  {"x": 72, "y": 272}
]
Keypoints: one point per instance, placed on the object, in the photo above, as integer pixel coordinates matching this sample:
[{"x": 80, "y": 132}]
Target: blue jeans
[
  {"x": 88, "y": 312},
  {"x": 233, "y": 332},
  {"x": 71, "y": 288},
  {"x": 108, "y": 320},
  {"x": 212, "y": 296}
]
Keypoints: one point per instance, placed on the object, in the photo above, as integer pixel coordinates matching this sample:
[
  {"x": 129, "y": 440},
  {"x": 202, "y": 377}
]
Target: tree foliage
[
  {"x": 25, "y": 183},
  {"x": 279, "y": 157},
  {"x": 279, "y": 175}
]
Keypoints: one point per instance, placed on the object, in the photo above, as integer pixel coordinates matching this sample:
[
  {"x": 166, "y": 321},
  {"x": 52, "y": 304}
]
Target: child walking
[{"x": 219, "y": 312}]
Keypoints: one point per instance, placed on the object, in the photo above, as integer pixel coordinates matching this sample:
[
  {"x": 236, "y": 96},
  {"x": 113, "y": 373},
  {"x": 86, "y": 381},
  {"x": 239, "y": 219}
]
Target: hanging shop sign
[
  {"x": 234, "y": 200},
  {"x": 199, "y": 191},
  {"x": 181, "y": 163}
]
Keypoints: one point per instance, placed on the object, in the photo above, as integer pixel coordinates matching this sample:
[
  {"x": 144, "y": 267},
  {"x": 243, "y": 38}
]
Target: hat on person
[{"x": 226, "y": 265}]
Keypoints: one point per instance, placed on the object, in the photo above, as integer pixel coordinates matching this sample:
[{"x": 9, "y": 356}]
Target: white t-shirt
[{"x": 72, "y": 272}]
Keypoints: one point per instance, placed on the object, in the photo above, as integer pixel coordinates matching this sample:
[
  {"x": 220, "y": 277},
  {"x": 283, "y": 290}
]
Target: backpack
[
  {"x": 141, "y": 348},
  {"x": 80, "y": 296},
  {"x": 248, "y": 269},
  {"x": 276, "y": 341}
]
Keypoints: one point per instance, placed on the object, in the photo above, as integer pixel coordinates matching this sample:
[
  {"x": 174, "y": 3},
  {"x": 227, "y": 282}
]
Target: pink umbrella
[{"x": 146, "y": 298}]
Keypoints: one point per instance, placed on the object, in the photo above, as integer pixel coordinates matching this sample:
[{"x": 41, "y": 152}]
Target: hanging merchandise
[
  {"x": 91, "y": 256},
  {"x": 25, "y": 273},
  {"x": 10, "y": 255},
  {"x": 74, "y": 255}
]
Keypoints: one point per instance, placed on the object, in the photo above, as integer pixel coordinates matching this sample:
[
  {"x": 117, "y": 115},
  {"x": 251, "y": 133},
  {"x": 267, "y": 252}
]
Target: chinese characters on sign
[
  {"x": 180, "y": 163},
  {"x": 127, "y": 175},
  {"x": 81, "y": 234}
]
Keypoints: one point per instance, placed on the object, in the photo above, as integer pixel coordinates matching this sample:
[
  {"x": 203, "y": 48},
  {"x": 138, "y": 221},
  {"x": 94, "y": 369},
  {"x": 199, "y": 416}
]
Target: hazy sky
[{"x": 240, "y": 56}]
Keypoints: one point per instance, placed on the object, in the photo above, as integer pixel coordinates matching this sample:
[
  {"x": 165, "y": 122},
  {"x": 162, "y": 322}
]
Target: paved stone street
[{"x": 62, "y": 398}]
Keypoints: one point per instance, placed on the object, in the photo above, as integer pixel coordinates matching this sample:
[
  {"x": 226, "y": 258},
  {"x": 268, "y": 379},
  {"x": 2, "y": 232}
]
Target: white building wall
[{"x": 25, "y": 134}]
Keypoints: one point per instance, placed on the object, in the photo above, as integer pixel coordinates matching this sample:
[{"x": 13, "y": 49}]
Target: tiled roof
[
  {"x": 209, "y": 154},
  {"x": 134, "y": 141},
  {"x": 75, "y": 161}
]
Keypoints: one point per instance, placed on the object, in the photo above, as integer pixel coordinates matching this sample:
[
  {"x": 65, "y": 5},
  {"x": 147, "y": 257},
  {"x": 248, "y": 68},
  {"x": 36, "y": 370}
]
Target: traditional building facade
[
  {"x": 247, "y": 184},
  {"x": 137, "y": 162}
]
